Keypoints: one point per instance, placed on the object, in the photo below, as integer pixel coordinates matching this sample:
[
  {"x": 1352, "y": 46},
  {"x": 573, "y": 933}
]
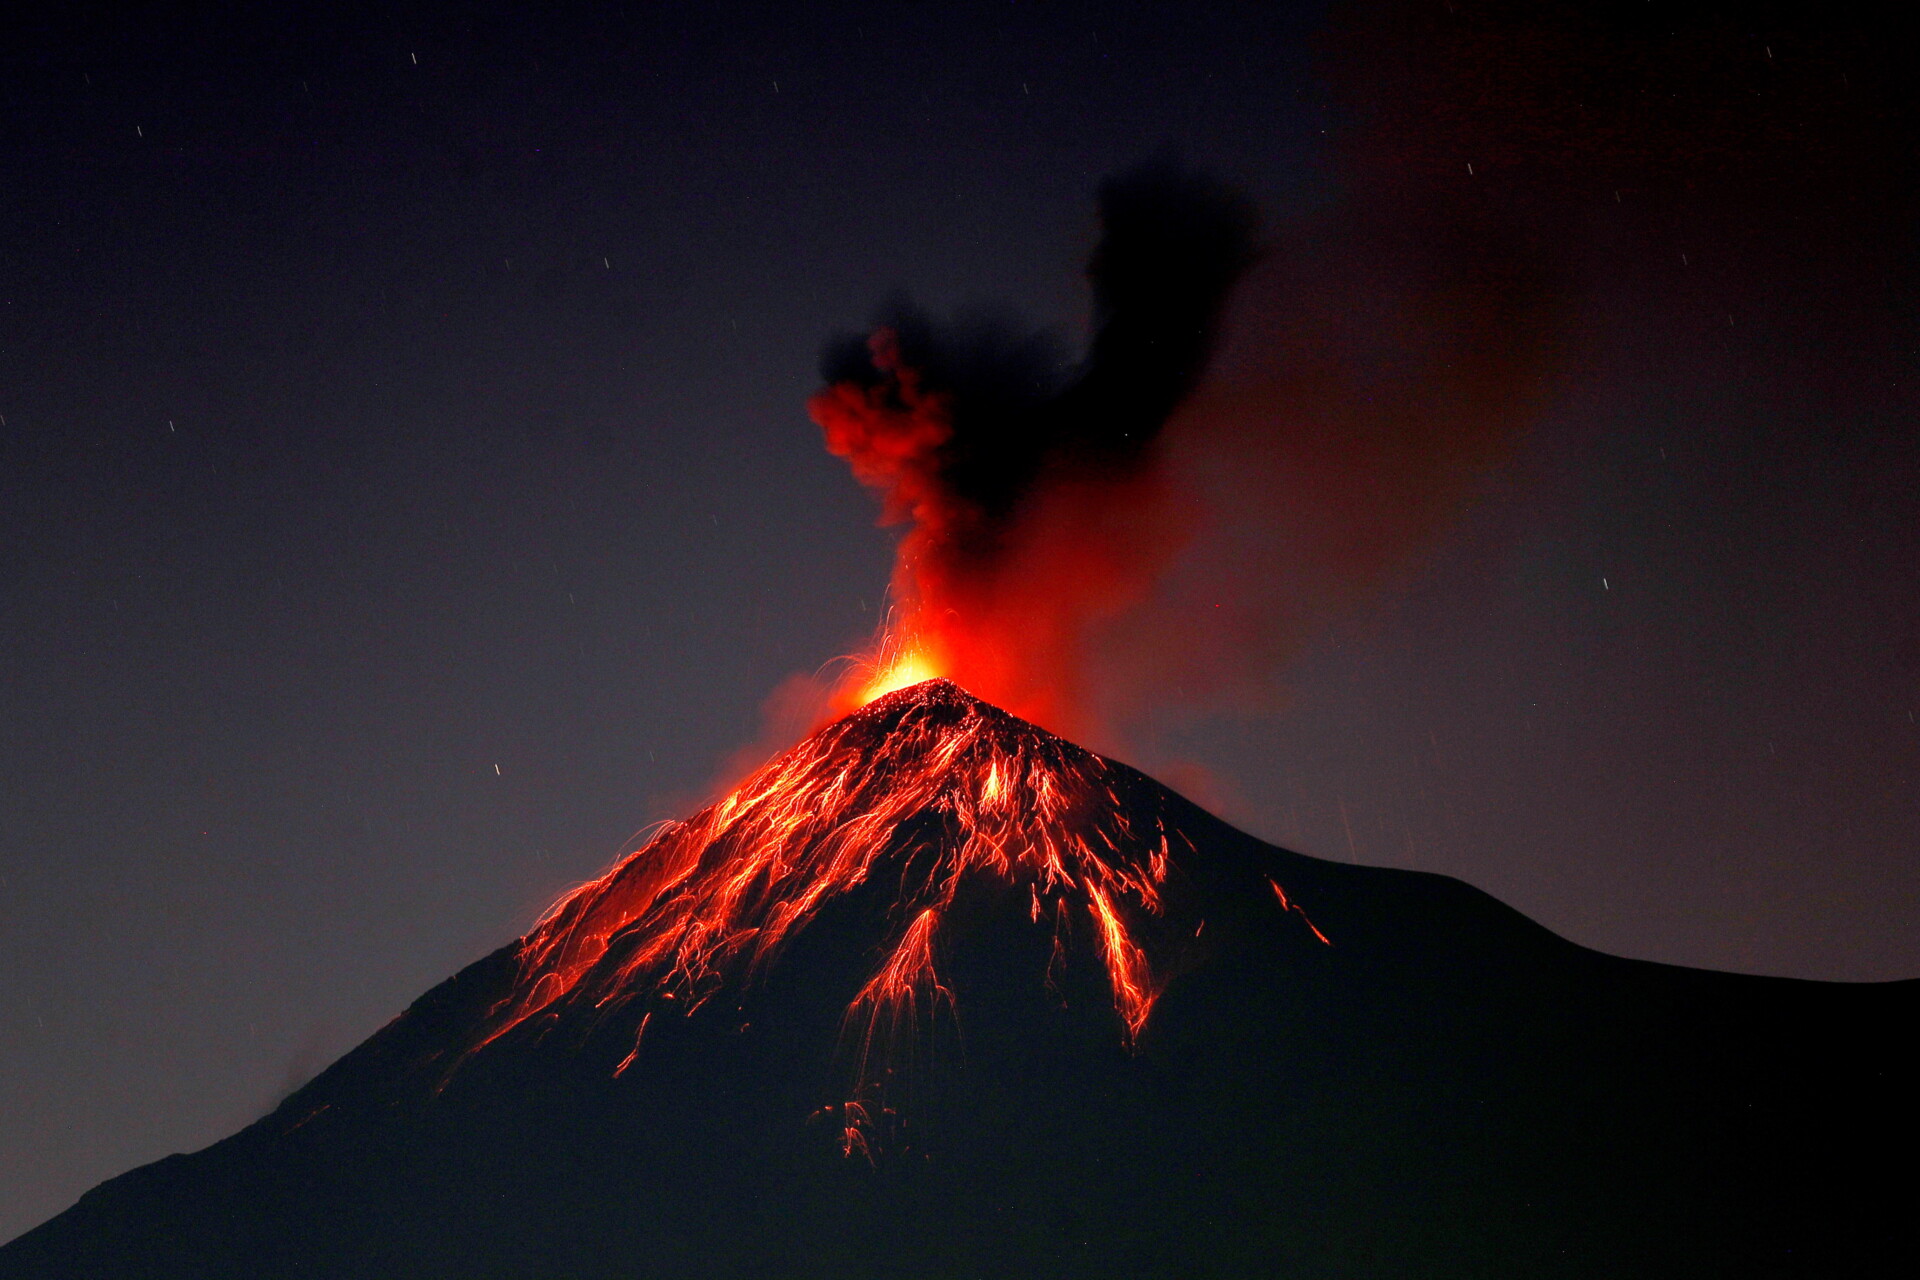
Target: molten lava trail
[{"x": 917, "y": 792}]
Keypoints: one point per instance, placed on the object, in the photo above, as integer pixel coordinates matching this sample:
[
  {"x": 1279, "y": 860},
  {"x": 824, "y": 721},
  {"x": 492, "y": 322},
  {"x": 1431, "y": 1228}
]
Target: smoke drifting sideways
[
  {"x": 1032, "y": 490},
  {"x": 1262, "y": 428},
  {"x": 1270, "y": 426}
]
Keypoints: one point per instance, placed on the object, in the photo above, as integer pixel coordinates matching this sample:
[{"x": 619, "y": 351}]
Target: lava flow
[{"x": 917, "y": 792}]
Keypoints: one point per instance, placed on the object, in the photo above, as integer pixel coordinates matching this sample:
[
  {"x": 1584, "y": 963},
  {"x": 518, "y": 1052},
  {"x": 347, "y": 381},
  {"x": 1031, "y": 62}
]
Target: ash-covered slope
[{"x": 939, "y": 994}]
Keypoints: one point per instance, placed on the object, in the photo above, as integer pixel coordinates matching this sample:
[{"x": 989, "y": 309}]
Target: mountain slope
[{"x": 939, "y": 994}]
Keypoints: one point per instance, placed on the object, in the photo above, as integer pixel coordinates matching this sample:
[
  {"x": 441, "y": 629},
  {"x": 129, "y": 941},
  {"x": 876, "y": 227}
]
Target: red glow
[
  {"x": 919, "y": 792},
  {"x": 895, "y": 674},
  {"x": 1288, "y": 905},
  {"x": 1002, "y": 605}
]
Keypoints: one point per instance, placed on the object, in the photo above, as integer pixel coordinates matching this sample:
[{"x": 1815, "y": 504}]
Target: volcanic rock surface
[{"x": 939, "y": 994}]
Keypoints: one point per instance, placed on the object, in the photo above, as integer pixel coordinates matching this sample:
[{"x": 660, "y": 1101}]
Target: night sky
[{"x": 407, "y": 492}]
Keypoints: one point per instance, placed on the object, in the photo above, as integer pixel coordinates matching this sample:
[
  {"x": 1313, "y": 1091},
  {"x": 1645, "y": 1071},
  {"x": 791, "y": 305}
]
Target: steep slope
[{"x": 938, "y": 993}]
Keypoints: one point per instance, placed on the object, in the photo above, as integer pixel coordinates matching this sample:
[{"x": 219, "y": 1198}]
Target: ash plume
[
  {"x": 1259, "y": 439},
  {"x": 1015, "y": 469},
  {"x": 1083, "y": 540},
  {"x": 963, "y": 420}
]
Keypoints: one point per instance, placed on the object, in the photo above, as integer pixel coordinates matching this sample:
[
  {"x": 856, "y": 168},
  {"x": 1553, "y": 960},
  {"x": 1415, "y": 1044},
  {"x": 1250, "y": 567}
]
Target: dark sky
[{"x": 406, "y": 491}]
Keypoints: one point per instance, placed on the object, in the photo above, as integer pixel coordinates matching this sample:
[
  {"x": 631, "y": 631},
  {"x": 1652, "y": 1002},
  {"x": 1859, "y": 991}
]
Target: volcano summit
[{"x": 937, "y": 993}]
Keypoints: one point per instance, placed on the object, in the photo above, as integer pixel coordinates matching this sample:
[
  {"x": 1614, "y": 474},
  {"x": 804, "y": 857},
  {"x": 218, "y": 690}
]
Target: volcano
[{"x": 937, "y": 993}]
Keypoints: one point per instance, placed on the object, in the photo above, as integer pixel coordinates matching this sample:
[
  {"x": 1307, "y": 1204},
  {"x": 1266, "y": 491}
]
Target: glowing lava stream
[{"x": 927, "y": 784}]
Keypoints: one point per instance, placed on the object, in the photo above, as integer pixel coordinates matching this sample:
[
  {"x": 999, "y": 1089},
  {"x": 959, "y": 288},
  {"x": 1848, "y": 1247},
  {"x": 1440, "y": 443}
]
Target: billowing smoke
[
  {"x": 1260, "y": 435},
  {"x": 1154, "y": 523},
  {"x": 1030, "y": 486}
]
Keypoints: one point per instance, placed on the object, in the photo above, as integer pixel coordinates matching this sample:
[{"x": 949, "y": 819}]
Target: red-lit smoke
[
  {"x": 1003, "y": 606},
  {"x": 1164, "y": 524},
  {"x": 1080, "y": 542},
  {"x": 1034, "y": 500}
]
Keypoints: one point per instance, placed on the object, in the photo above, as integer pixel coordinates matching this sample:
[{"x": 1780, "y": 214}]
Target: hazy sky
[{"x": 406, "y": 491}]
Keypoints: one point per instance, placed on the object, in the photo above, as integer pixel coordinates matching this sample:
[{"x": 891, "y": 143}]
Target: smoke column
[
  {"x": 1034, "y": 503},
  {"x": 1260, "y": 435},
  {"x": 1084, "y": 540}
]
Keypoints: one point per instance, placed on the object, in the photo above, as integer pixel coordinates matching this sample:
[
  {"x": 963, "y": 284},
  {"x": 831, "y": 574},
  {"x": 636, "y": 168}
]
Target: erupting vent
[{"x": 916, "y": 792}]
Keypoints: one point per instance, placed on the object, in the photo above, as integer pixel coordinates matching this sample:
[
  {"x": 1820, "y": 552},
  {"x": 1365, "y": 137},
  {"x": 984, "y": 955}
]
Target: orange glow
[
  {"x": 907, "y": 669},
  {"x": 918, "y": 792},
  {"x": 1288, "y": 905},
  {"x": 1132, "y": 988},
  {"x": 1004, "y": 605}
]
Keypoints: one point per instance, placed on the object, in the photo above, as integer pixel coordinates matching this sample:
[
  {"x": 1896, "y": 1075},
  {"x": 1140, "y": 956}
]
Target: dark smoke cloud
[
  {"x": 1029, "y": 485},
  {"x": 1149, "y": 528},
  {"x": 1011, "y": 407}
]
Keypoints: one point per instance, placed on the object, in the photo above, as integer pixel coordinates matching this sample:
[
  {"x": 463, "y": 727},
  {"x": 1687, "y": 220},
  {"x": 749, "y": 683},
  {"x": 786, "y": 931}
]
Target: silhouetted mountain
[{"x": 875, "y": 1015}]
